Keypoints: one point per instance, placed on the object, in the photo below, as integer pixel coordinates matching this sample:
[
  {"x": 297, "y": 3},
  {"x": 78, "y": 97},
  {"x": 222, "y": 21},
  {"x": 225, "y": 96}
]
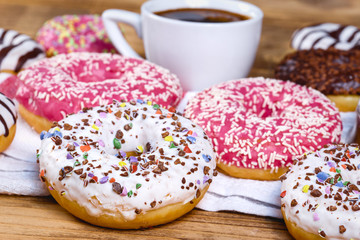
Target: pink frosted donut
[
  {"x": 74, "y": 33},
  {"x": 258, "y": 126},
  {"x": 8, "y": 84},
  {"x": 64, "y": 84}
]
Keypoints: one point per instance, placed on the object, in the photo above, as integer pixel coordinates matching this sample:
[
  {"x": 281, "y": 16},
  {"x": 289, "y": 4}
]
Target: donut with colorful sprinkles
[
  {"x": 127, "y": 165},
  {"x": 259, "y": 125},
  {"x": 320, "y": 194},
  {"x": 64, "y": 84},
  {"x": 74, "y": 33}
]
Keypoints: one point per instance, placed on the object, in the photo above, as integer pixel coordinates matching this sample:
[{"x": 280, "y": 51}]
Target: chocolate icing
[{"x": 330, "y": 71}]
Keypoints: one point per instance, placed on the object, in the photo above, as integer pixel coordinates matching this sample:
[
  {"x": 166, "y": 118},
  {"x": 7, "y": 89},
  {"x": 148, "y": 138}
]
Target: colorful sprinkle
[
  {"x": 140, "y": 149},
  {"x": 98, "y": 123},
  {"x": 133, "y": 159},
  {"x": 305, "y": 189},
  {"x": 103, "y": 115},
  {"x": 339, "y": 184},
  {"x": 95, "y": 127},
  {"x": 101, "y": 143},
  {"x": 322, "y": 176},
  {"x": 42, "y": 135},
  {"x": 123, "y": 154},
  {"x": 191, "y": 139},
  {"x": 57, "y": 134},
  {"x": 85, "y": 148},
  {"x": 205, "y": 179},
  {"x": 124, "y": 192},
  {"x": 138, "y": 185},
  {"x": 316, "y": 217},
  {"x": 187, "y": 149},
  {"x": 327, "y": 190},
  {"x": 122, "y": 163},
  {"x": 133, "y": 168},
  {"x": 69, "y": 156},
  {"x": 104, "y": 179},
  {"x": 169, "y": 139},
  {"x": 116, "y": 143},
  {"x": 283, "y": 194},
  {"x": 85, "y": 155},
  {"x": 130, "y": 193},
  {"x": 331, "y": 164},
  {"x": 207, "y": 158}
]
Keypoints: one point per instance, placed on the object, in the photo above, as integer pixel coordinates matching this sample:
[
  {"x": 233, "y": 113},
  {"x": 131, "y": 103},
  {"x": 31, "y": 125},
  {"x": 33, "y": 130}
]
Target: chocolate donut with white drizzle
[
  {"x": 326, "y": 35},
  {"x": 8, "y": 116},
  {"x": 18, "y": 51}
]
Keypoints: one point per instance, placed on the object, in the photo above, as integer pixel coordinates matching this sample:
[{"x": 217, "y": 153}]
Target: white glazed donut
[
  {"x": 18, "y": 51},
  {"x": 320, "y": 194},
  {"x": 326, "y": 35},
  {"x": 127, "y": 165}
]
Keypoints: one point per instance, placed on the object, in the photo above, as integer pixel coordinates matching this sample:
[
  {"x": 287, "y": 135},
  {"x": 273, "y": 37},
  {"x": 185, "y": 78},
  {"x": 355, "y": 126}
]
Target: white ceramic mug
[{"x": 200, "y": 54}]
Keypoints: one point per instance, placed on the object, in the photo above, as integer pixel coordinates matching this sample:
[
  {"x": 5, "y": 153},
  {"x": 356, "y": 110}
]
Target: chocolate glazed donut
[{"x": 335, "y": 73}]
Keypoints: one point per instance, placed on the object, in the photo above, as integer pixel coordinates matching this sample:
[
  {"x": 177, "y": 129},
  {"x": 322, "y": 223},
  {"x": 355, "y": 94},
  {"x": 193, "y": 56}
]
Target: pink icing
[
  {"x": 57, "y": 86},
  {"x": 264, "y": 123},
  {"x": 74, "y": 33}
]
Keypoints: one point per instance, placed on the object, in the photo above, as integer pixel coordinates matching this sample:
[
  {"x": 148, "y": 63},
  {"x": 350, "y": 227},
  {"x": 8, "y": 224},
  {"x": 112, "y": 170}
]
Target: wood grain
[{"x": 42, "y": 218}]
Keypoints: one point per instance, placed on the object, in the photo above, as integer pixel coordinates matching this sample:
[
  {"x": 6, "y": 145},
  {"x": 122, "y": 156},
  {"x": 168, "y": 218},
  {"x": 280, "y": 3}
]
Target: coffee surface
[{"x": 202, "y": 15}]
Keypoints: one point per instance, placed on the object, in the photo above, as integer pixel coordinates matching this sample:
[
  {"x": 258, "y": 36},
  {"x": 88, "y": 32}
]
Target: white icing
[
  {"x": 164, "y": 188},
  {"x": 320, "y": 217}
]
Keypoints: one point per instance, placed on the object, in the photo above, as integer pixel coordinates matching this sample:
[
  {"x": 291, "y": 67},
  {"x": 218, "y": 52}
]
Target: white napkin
[{"x": 19, "y": 175}]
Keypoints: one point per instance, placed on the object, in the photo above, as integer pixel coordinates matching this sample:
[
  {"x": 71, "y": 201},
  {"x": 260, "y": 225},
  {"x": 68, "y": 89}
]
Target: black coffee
[{"x": 202, "y": 15}]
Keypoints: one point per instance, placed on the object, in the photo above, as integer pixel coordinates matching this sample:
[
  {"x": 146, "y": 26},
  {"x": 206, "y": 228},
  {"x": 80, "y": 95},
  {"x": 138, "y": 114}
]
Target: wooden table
[{"x": 41, "y": 217}]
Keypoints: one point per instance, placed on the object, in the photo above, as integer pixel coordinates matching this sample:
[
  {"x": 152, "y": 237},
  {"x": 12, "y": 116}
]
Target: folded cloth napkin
[{"x": 19, "y": 175}]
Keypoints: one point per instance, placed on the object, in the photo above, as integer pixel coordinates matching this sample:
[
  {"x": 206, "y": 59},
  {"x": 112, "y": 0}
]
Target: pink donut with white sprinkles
[
  {"x": 66, "y": 83},
  {"x": 258, "y": 126}
]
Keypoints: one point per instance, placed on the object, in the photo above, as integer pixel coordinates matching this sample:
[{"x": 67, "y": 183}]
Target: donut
[
  {"x": 258, "y": 125},
  {"x": 54, "y": 87},
  {"x": 18, "y": 51},
  {"x": 333, "y": 72},
  {"x": 8, "y": 84},
  {"x": 320, "y": 194},
  {"x": 357, "y": 124},
  {"x": 74, "y": 33},
  {"x": 127, "y": 165},
  {"x": 326, "y": 35},
  {"x": 8, "y": 116}
]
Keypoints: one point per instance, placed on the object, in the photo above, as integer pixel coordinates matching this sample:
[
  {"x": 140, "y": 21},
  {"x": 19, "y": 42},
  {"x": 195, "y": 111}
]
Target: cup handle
[{"x": 110, "y": 18}]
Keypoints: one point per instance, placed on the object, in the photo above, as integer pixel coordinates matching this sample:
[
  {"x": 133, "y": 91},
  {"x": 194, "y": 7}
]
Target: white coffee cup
[{"x": 200, "y": 54}]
